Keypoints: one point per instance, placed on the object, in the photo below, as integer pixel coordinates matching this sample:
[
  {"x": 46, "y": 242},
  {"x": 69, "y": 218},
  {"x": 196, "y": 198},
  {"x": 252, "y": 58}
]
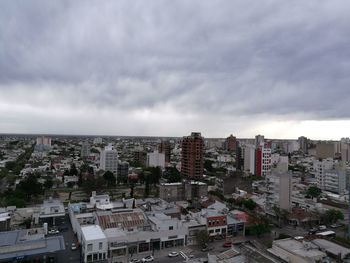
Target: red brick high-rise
[
  {"x": 192, "y": 156},
  {"x": 231, "y": 143},
  {"x": 165, "y": 147}
]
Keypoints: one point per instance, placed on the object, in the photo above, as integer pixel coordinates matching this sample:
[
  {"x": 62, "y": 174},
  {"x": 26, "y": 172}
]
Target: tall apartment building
[
  {"x": 85, "y": 149},
  {"x": 165, "y": 147},
  {"x": 259, "y": 140},
  {"x": 263, "y": 160},
  {"x": 279, "y": 191},
  {"x": 285, "y": 191},
  {"x": 231, "y": 143},
  {"x": 123, "y": 170},
  {"x": 325, "y": 150},
  {"x": 43, "y": 143},
  {"x": 192, "y": 156},
  {"x": 98, "y": 140},
  {"x": 303, "y": 144},
  {"x": 279, "y": 163},
  {"x": 345, "y": 149},
  {"x": 249, "y": 159},
  {"x": 155, "y": 159},
  {"x": 109, "y": 159},
  {"x": 330, "y": 175}
]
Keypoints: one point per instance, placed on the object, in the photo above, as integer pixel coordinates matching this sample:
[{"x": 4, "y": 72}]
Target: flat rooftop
[
  {"x": 331, "y": 247},
  {"x": 306, "y": 249},
  {"x": 19, "y": 243},
  {"x": 92, "y": 232}
]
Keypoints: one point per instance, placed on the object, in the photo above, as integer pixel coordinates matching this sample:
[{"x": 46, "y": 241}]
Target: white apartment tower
[
  {"x": 330, "y": 175},
  {"x": 109, "y": 159},
  {"x": 155, "y": 159},
  {"x": 249, "y": 158}
]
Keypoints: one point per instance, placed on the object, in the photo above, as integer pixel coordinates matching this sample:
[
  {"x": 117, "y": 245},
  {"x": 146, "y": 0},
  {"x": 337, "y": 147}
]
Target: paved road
[{"x": 68, "y": 255}]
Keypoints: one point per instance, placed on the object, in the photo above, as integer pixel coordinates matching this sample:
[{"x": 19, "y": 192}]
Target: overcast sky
[{"x": 278, "y": 68}]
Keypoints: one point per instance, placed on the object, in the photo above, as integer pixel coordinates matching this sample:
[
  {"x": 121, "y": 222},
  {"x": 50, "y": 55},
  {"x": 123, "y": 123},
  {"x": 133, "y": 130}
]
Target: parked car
[
  {"x": 173, "y": 254},
  {"x": 299, "y": 238},
  {"x": 336, "y": 225},
  {"x": 53, "y": 231},
  {"x": 74, "y": 246},
  {"x": 135, "y": 260},
  {"x": 148, "y": 259},
  {"x": 322, "y": 227},
  {"x": 227, "y": 244}
]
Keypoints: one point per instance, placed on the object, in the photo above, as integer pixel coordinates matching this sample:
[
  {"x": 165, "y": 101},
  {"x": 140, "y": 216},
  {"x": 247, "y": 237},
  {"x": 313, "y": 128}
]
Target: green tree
[
  {"x": 109, "y": 178},
  {"x": 257, "y": 229},
  {"x": 202, "y": 238},
  {"x": 208, "y": 165},
  {"x": 48, "y": 183},
  {"x": 30, "y": 186},
  {"x": 93, "y": 184},
  {"x": 249, "y": 204},
  {"x": 332, "y": 216},
  {"x": 147, "y": 190},
  {"x": 313, "y": 191},
  {"x": 132, "y": 186},
  {"x": 73, "y": 171},
  {"x": 173, "y": 175}
]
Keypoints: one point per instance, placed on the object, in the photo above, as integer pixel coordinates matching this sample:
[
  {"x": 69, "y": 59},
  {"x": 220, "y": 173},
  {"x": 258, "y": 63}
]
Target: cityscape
[
  {"x": 137, "y": 131},
  {"x": 190, "y": 198}
]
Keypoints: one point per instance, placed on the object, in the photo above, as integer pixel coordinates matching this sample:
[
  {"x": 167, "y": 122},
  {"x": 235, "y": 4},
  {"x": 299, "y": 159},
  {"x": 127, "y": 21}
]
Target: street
[{"x": 68, "y": 255}]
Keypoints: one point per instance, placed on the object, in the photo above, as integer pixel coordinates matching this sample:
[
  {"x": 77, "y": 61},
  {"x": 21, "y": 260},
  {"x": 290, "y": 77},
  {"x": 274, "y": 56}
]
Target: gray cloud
[{"x": 215, "y": 60}]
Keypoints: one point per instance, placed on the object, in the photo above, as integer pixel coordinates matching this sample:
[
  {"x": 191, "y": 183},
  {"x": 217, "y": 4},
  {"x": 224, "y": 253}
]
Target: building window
[
  {"x": 89, "y": 247},
  {"x": 217, "y": 230},
  {"x": 211, "y": 231},
  {"x": 100, "y": 245},
  {"x": 171, "y": 227}
]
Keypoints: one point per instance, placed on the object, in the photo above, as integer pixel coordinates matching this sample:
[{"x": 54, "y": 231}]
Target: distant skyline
[{"x": 160, "y": 68}]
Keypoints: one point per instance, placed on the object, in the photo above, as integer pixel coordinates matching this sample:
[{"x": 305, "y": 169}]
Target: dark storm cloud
[{"x": 236, "y": 58}]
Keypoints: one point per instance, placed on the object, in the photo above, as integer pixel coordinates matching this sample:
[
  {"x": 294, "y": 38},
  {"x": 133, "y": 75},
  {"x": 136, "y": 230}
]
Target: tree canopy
[
  {"x": 202, "y": 238},
  {"x": 332, "y": 216},
  {"x": 30, "y": 186},
  {"x": 313, "y": 191},
  {"x": 109, "y": 178}
]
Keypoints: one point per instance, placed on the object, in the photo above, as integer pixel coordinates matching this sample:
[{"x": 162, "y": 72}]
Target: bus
[{"x": 328, "y": 233}]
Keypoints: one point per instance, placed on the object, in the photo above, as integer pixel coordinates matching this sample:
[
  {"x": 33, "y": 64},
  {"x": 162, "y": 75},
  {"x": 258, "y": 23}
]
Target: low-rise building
[
  {"x": 29, "y": 244},
  {"x": 294, "y": 251},
  {"x": 186, "y": 190},
  {"x": 51, "y": 212},
  {"x": 94, "y": 245}
]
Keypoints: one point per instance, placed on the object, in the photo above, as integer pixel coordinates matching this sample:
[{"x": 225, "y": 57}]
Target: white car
[
  {"x": 173, "y": 254},
  {"x": 148, "y": 259},
  {"x": 322, "y": 227},
  {"x": 53, "y": 231}
]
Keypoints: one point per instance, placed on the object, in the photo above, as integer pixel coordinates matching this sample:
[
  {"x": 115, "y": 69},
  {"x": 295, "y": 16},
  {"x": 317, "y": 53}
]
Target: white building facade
[
  {"x": 155, "y": 159},
  {"x": 109, "y": 159}
]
